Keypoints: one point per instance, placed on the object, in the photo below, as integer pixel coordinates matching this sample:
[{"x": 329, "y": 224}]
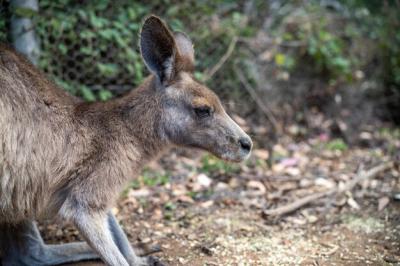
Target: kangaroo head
[{"x": 191, "y": 114}]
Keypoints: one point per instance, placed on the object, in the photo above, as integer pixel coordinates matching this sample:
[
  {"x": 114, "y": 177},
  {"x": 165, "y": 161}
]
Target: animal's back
[{"x": 34, "y": 114}]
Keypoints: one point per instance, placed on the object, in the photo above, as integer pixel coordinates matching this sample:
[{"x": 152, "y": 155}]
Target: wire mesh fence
[{"x": 90, "y": 48}]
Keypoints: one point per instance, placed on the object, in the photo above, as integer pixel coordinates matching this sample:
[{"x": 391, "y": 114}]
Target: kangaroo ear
[
  {"x": 185, "y": 51},
  {"x": 158, "y": 48}
]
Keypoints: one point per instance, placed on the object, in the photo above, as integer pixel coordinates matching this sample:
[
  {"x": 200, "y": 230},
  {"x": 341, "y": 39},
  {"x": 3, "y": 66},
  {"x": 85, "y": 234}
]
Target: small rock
[
  {"x": 324, "y": 182},
  {"x": 203, "y": 180},
  {"x": 221, "y": 186},
  {"x": 207, "y": 204},
  {"x": 182, "y": 260},
  {"x": 293, "y": 171}
]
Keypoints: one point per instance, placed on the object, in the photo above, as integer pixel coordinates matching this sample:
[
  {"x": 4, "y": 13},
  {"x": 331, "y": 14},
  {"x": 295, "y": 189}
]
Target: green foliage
[
  {"x": 3, "y": 31},
  {"x": 151, "y": 178},
  {"x": 341, "y": 44},
  {"x": 89, "y": 47},
  {"x": 381, "y": 23},
  {"x": 312, "y": 41},
  {"x": 337, "y": 145},
  {"x": 285, "y": 61},
  {"x": 327, "y": 51},
  {"x": 212, "y": 165},
  {"x": 3, "y": 24},
  {"x": 390, "y": 43},
  {"x": 390, "y": 133},
  {"x": 169, "y": 206},
  {"x": 327, "y": 40},
  {"x": 105, "y": 95},
  {"x": 147, "y": 178}
]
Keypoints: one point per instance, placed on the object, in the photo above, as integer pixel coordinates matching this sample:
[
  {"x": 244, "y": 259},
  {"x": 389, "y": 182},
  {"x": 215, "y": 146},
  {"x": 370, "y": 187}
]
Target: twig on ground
[
  {"x": 224, "y": 58},
  {"x": 146, "y": 250},
  {"x": 373, "y": 172}
]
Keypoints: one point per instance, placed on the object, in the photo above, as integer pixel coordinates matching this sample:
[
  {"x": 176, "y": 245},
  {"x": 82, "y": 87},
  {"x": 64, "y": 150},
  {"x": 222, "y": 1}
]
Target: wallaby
[{"x": 61, "y": 157}]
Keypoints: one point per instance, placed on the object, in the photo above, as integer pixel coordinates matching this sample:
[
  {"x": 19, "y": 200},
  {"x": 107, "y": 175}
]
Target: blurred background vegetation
[{"x": 277, "y": 60}]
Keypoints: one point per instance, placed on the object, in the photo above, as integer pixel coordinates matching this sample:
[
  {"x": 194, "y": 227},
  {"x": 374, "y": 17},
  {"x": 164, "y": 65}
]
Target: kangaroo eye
[{"x": 203, "y": 111}]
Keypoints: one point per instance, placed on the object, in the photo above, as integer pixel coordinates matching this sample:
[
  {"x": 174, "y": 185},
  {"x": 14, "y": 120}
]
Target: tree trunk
[{"x": 23, "y": 30}]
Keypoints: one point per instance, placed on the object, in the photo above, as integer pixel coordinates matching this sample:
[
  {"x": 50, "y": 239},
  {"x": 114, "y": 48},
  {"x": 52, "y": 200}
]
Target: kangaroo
[{"x": 64, "y": 158}]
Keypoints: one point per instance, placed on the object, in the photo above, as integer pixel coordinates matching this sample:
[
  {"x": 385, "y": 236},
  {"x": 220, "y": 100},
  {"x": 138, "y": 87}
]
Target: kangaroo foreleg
[{"x": 125, "y": 247}]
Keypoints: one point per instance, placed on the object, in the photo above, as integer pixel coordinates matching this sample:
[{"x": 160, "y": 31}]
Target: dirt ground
[{"x": 202, "y": 211}]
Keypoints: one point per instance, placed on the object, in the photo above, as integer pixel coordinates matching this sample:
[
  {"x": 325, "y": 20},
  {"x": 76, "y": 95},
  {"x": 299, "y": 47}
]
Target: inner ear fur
[{"x": 158, "y": 48}]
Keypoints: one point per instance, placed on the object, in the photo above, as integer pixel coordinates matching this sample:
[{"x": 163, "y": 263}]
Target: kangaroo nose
[{"x": 245, "y": 144}]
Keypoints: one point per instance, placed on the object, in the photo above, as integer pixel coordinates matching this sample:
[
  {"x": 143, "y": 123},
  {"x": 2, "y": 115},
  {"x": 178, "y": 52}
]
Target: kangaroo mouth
[{"x": 235, "y": 155}]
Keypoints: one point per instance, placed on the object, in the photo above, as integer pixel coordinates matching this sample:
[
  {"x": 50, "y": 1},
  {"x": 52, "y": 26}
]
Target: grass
[
  {"x": 147, "y": 178},
  {"x": 212, "y": 165},
  {"x": 336, "y": 145}
]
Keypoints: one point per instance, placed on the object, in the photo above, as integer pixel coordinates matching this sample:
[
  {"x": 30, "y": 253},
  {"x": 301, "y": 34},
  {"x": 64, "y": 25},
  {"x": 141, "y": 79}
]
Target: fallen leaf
[
  {"x": 143, "y": 192},
  {"x": 185, "y": 198},
  {"x": 261, "y": 154},
  {"x": 234, "y": 182},
  {"x": 288, "y": 162},
  {"x": 266, "y": 56},
  {"x": 324, "y": 182},
  {"x": 179, "y": 190},
  {"x": 257, "y": 185},
  {"x": 352, "y": 203},
  {"x": 323, "y": 137},
  {"x": 207, "y": 204},
  {"x": 382, "y": 203},
  {"x": 293, "y": 171}
]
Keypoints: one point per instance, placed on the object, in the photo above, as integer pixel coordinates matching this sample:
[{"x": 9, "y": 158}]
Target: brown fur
[{"x": 53, "y": 146}]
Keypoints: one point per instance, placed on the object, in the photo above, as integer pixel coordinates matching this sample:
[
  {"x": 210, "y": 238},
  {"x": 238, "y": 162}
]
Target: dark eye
[{"x": 203, "y": 111}]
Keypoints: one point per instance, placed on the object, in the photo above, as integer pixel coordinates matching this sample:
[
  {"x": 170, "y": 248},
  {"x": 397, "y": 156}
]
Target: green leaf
[
  {"x": 87, "y": 94},
  {"x": 337, "y": 145},
  {"x": 107, "y": 33},
  {"x": 105, "y": 95},
  {"x": 63, "y": 48},
  {"x": 107, "y": 70},
  {"x": 280, "y": 59}
]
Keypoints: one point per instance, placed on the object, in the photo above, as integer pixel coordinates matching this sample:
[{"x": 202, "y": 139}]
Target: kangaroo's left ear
[
  {"x": 164, "y": 53},
  {"x": 158, "y": 48}
]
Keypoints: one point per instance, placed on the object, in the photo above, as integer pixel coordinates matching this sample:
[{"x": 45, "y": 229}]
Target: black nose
[{"x": 245, "y": 144}]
